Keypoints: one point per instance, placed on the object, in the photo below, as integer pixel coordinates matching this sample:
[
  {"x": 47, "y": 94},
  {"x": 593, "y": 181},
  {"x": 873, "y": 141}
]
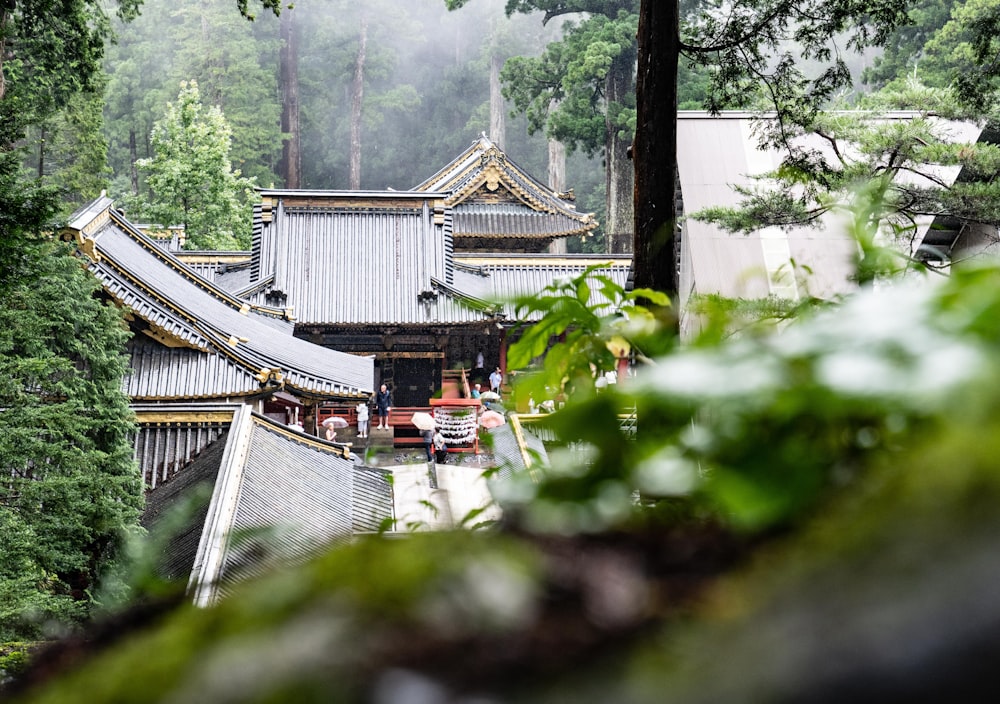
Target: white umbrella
[
  {"x": 335, "y": 421},
  {"x": 490, "y": 396},
  {"x": 423, "y": 421}
]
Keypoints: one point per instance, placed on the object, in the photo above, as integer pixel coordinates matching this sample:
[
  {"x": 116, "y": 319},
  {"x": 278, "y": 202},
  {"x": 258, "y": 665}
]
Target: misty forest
[{"x": 793, "y": 498}]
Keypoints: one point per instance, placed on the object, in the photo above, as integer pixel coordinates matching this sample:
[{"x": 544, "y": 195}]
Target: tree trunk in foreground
[{"x": 654, "y": 152}]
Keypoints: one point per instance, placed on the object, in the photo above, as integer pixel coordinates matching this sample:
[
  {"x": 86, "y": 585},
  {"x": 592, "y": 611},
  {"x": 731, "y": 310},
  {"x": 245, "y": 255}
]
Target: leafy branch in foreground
[{"x": 596, "y": 322}]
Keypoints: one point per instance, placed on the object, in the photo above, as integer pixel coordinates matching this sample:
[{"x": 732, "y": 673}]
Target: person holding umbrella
[
  {"x": 383, "y": 402},
  {"x": 428, "y": 436},
  {"x": 425, "y": 423},
  {"x": 331, "y": 425}
]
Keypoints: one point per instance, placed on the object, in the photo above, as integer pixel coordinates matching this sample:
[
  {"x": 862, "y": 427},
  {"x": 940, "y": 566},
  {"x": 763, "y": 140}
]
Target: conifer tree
[
  {"x": 191, "y": 178},
  {"x": 70, "y": 486}
]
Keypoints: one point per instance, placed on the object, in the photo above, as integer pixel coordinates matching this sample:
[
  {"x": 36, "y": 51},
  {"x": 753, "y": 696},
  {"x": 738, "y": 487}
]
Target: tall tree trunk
[
  {"x": 619, "y": 221},
  {"x": 133, "y": 157},
  {"x": 557, "y": 182},
  {"x": 357, "y": 100},
  {"x": 290, "y": 168},
  {"x": 3, "y": 51},
  {"x": 498, "y": 125},
  {"x": 41, "y": 152},
  {"x": 654, "y": 153}
]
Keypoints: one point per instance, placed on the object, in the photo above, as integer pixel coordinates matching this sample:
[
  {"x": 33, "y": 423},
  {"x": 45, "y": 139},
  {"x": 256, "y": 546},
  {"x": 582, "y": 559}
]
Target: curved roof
[
  {"x": 278, "y": 495},
  {"x": 494, "y": 197},
  {"x": 183, "y": 309}
]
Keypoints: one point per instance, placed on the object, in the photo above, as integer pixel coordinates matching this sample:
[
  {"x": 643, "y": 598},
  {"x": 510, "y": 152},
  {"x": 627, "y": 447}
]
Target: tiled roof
[
  {"x": 494, "y": 197},
  {"x": 505, "y": 276},
  {"x": 358, "y": 258},
  {"x": 161, "y": 372},
  {"x": 280, "y": 496},
  {"x": 188, "y": 310}
]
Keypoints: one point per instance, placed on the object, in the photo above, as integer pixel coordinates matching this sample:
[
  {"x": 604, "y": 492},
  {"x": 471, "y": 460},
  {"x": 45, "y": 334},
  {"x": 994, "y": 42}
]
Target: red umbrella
[{"x": 491, "y": 419}]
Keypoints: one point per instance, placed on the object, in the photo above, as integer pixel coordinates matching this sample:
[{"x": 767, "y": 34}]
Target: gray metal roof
[
  {"x": 193, "y": 311},
  {"x": 189, "y": 491},
  {"x": 511, "y": 220},
  {"x": 159, "y": 372},
  {"x": 505, "y": 276},
  {"x": 280, "y": 496},
  {"x": 514, "y": 448},
  {"x": 262, "y": 492},
  {"x": 372, "y": 502},
  {"x": 346, "y": 259}
]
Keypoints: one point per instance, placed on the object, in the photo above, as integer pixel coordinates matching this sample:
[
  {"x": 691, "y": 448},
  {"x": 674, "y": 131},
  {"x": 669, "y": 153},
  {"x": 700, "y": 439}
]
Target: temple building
[
  {"x": 414, "y": 279},
  {"x": 234, "y": 355}
]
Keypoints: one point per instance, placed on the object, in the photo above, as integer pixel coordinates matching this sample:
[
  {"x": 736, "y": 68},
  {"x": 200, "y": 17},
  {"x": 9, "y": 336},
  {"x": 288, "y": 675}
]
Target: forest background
[{"x": 425, "y": 96}]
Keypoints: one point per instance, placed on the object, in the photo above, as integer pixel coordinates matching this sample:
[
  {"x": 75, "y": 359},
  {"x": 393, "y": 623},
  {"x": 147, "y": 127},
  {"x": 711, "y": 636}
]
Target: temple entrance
[{"x": 413, "y": 380}]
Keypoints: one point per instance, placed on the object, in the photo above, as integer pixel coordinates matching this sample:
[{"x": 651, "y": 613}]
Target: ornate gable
[{"x": 494, "y": 198}]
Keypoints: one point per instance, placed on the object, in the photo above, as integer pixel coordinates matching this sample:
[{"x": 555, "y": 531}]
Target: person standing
[
  {"x": 440, "y": 447},
  {"x": 496, "y": 380},
  {"x": 362, "y": 410},
  {"x": 383, "y": 402},
  {"x": 476, "y": 393},
  {"x": 479, "y": 373},
  {"x": 428, "y": 436}
]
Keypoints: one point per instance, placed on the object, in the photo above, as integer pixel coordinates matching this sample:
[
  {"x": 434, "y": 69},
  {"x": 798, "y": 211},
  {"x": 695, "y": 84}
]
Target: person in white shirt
[{"x": 362, "y": 410}]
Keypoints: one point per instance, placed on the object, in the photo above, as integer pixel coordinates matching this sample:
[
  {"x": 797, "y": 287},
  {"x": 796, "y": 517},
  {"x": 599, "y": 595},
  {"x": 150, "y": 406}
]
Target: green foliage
[
  {"x": 756, "y": 55},
  {"x": 65, "y": 443},
  {"x": 14, "y": 658},
  {"x": 881, "y": 411},
  {"x": 192, "y": 179},
  {"x": 758, "y": 430},
  {"x": 461, "y": 583},
  {"x": 725, "y": 318},
  {"x": 72, "y": 151},
  {"x": 904, "y": 52},
  {"x": 595, "y": 321},
  {"x": 964, "y": 53},
  {"x": 564, "y": 93},
  {"x": 232, "y": 61}
]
